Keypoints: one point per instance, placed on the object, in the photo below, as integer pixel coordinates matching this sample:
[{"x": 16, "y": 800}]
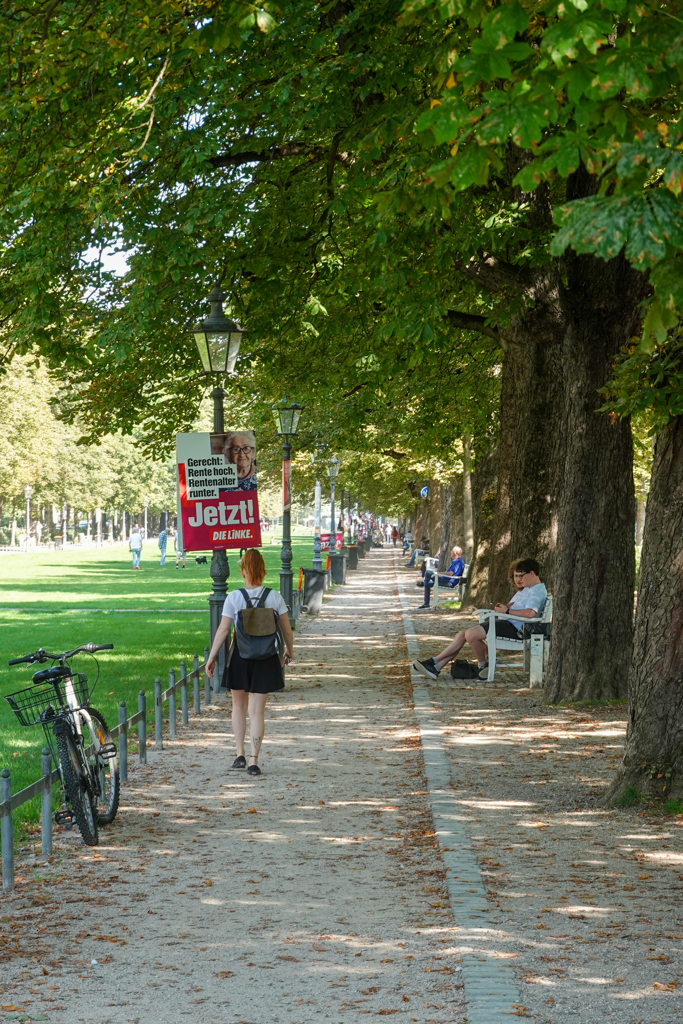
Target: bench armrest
[{"x": 506, "y": 615}]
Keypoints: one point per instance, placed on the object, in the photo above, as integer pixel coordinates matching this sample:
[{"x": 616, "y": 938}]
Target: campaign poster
[
  {"x": 217, "y": 491},
  {"x": 325, "y": 541}
]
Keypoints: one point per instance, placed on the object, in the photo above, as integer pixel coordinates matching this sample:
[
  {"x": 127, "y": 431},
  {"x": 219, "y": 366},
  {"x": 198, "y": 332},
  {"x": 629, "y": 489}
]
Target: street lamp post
[
  {"x": 287, "y": 423},
  {"x": 218, "y": 339},
  {"x": 337, "y": 560},
  {"x": 28, "y": 493},
  {"x": 317, "y": 560}
]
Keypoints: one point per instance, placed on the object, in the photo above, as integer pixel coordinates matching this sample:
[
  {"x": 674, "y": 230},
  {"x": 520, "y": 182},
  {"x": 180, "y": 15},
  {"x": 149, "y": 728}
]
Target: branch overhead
[{"x": 471, "y": 322}]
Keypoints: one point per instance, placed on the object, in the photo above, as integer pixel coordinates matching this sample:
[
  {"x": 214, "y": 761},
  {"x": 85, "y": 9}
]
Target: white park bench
[
  {"x": 433, "y": 564},
  {"x": 535, "y": 649}
]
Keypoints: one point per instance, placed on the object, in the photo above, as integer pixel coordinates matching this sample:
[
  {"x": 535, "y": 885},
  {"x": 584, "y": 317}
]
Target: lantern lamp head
[
  {"x": 286, "y": 418},
  {"x": 28, "y": 492},
  {"x": 333, "y": 468},
  {"x": 218, "y": 338}
]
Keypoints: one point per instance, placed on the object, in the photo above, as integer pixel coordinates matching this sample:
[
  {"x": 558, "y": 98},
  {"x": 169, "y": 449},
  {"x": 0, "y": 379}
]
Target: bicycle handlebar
[{"x": 42, "y": 655}]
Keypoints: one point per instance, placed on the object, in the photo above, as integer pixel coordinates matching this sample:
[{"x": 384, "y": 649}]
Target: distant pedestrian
[
  {"x": 163, "y": 540},
  {"x": 250, "y": 680},
  {"x": 179, "y": 551},
  {"x": 135, "y": 546},
  {"x": 394, "y": 535}
]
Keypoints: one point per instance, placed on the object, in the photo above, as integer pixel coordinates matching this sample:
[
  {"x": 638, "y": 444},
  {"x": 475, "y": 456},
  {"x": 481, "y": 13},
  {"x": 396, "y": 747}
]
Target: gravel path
[
  {"x": 315, "y": 890},
  {"x": 323, "y": 889},
  {"x": 586, "y": 901}
]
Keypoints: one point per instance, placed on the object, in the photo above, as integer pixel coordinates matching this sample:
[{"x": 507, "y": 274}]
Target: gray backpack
[{"x": 257, "y": 630}]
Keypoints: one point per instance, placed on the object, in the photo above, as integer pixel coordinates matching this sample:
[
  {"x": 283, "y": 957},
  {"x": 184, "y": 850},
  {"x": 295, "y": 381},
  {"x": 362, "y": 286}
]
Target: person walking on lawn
[
  {"x": 249, "y": 680},
  {"x": 163, "y": 540},
  {"x": 527, "y": 603},
  {"x": 447, "y": 579},
  {"x": 135, "y": 546}
]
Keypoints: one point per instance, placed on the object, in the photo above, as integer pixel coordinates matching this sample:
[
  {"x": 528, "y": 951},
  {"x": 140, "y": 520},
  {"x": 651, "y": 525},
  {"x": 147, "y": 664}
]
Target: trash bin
[
  {"x": 338, "y": 566},
  {"x": 314, "y": 588},
  {"x": 352, "y": 554}
]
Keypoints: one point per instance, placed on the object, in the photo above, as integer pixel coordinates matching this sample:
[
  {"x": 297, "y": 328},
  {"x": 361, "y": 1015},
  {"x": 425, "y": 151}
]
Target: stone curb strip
[{"x": 491, "y": 992}]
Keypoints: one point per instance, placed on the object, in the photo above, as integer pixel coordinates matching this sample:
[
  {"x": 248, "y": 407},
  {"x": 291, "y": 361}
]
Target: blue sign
[{"x": 424, "y": 492}]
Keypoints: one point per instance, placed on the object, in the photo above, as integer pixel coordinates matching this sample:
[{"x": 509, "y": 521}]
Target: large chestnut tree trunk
[
  {"x": 594, "y": 574},
  {"x": 653, "y": 758}
]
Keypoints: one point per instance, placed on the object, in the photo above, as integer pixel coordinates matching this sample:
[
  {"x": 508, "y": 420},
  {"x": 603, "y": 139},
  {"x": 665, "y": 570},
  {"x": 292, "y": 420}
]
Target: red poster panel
[
  {"x": 217, "y": 493},
  {"x": 325, "y": 541}
]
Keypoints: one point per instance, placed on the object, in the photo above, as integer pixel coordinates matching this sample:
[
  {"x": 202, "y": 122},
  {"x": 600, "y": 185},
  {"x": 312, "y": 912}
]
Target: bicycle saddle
[{"x": 46, "y": 675}]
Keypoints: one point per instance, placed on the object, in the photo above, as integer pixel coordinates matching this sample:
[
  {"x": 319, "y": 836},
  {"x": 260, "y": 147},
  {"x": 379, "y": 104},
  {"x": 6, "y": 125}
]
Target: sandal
[
  {"x": 253, "y": 769},
  {"x": 239, "y": 762}
]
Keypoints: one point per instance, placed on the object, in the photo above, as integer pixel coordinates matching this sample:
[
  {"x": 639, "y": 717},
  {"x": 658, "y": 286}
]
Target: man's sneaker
[
  {"x": 484, "y": 671},
  {"x": 427, "y": 668}
]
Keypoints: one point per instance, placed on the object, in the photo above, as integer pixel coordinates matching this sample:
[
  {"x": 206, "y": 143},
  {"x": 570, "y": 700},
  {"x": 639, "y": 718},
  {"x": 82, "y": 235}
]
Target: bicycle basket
[{"x": 38, "y": 704}]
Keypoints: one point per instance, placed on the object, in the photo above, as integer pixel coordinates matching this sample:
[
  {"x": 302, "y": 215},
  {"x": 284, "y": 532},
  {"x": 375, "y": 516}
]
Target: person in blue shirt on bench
[{"x": 450, "y": 578}]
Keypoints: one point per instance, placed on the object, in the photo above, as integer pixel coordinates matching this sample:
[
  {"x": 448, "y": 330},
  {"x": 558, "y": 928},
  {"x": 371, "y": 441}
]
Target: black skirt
[{"x": 264, "y": 676}]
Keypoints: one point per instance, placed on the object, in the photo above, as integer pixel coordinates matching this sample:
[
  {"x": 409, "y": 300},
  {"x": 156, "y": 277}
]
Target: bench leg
[
  {"x": 491, "y": 644},
  {"x": 536, "y": 661}
]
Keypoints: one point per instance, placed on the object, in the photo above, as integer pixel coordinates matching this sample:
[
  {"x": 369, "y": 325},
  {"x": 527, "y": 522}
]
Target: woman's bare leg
[
  {"x": 475, "y": 636},
  {"x": 240, "y": 699},
  {"x": 257, "y": 706}
]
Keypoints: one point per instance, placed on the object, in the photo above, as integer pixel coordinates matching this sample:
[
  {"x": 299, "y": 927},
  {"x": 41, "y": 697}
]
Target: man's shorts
[{"x": 504, "y": 629}]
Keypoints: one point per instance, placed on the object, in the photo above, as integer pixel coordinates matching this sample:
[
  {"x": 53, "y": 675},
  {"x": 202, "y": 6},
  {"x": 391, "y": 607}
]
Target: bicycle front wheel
[
  {"x": 105, "y": 767},
  {"x": 77, "y": 787}
]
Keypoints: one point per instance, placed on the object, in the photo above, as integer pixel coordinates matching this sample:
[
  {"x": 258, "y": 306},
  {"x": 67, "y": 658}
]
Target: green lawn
[{"x": 58, "y": 600}]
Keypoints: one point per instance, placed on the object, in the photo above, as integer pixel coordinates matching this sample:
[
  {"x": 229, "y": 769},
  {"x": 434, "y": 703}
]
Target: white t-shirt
[
  {"x": 136, "y": 540},
  {"x": 531, "y": 597},
  {"x": 235, "y": 602}
]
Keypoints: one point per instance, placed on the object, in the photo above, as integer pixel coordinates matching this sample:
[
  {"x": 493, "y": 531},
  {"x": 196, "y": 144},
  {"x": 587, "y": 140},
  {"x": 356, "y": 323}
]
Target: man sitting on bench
[
  {"x": 423, "y": 549},
  {"x": 527, "y": 603},
  {"x": 450, "y": 578}
]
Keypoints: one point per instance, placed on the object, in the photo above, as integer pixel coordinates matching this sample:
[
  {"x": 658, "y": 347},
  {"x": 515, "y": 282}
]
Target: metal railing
[{"x": 43, "y": 786}]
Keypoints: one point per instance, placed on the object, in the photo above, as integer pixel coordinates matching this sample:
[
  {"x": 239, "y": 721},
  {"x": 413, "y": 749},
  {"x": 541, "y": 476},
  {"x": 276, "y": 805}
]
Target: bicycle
[{"x": 60, "y": 699}]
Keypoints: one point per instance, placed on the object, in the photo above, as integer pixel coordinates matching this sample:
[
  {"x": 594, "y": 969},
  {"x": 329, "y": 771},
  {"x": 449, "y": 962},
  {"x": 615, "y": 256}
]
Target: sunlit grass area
[{"x": 58, "y": 600}]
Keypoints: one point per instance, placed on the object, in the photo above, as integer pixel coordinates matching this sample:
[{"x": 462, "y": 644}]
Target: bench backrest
[{"x": 548, "y": 609}]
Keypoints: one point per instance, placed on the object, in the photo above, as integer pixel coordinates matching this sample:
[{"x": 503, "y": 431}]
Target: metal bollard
[
  {"x": 46, "y": 803},
  {"x": 6, "y": 833},
  {"x": 158, "y": 716},
  {"x": 123, "y": 742},
  {"x": 207, "y": 681},
  {"x": 171, "y": 705},
  {"x": 142, "y": 728},
  {"x": 184, "y": 715},
  {"x": 195, "y": 672}
]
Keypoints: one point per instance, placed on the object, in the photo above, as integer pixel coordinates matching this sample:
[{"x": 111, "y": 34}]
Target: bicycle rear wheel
[
  {"x": 105, "y": 768},
  {"x": 77, "y": 787}
]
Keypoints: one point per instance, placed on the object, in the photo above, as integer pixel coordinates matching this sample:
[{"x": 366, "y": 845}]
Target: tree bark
[
  {"x": 467, "y": 507},
  {"x": 444, "y": 547},
  {"x": 531, "y": 441},
  {"x": 595, "y": 562},
  {"x": 653, "y": 758}
]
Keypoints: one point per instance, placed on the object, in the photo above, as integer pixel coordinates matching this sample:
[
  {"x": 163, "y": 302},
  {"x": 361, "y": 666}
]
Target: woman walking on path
[{"x": 250, "y": 681}]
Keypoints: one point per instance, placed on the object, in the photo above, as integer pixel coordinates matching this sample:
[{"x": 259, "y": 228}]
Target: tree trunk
[
  {"x": 653, "y": 758},
  {"x": 467, "y": 508},
  {"x": 595, "y": 562},
  {"x": 483, "y": 505},
  {"x": 444, "y": 547},
  {"x": 531, "y": 442}
]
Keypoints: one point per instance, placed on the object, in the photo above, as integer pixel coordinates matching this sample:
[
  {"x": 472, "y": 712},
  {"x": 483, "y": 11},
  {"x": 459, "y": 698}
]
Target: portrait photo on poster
[{"x": 239, "y": 449}]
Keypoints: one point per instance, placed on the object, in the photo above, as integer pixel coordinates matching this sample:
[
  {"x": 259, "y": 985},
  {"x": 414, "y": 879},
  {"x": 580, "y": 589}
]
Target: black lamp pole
[
  {"x": 287, "y": 422},
  {"x": 219, "y": 570},
  {"x": 218, "y": 340},
  {"x": 286, "y": 550}
]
